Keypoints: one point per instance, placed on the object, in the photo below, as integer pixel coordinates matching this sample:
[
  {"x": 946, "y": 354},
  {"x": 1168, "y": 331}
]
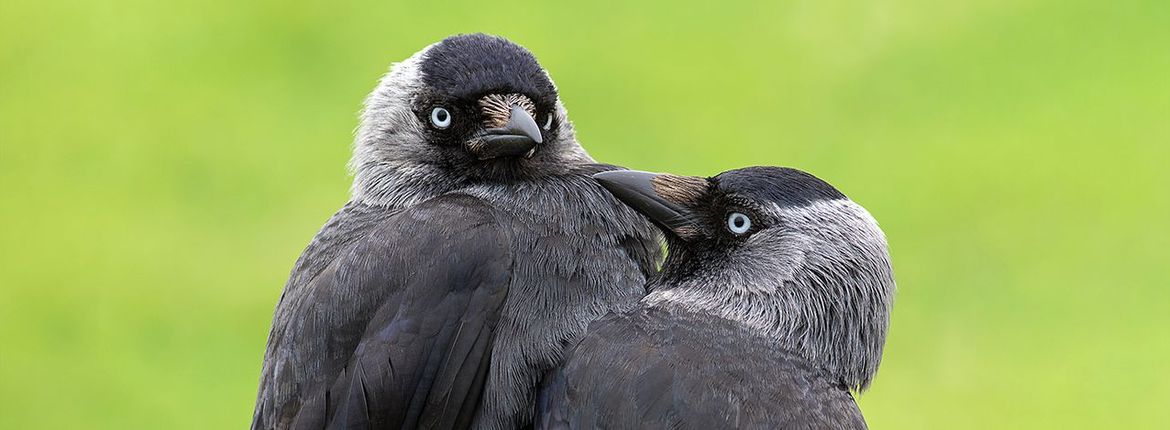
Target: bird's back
[{"x": 661, "y": 368}]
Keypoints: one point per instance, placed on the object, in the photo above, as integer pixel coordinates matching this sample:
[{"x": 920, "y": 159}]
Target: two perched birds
[{"x": 488, "y": 273}]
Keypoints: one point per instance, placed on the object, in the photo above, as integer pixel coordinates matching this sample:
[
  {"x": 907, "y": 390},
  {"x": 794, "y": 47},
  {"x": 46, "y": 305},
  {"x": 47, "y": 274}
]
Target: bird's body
[
  {"x": 323, "y": 346},
  {"x": 475, "y": 248},
  {"x": 771, "y": 307},
  {"x": 670, "y": 367}
]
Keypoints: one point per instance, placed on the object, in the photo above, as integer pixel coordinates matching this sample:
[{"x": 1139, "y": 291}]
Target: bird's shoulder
[
  {"x": 449, "y": 235},
  {"x": 444, "y": 215},
  {"x": 350, "y": 223},
  {"x": 357, "y": 225}
]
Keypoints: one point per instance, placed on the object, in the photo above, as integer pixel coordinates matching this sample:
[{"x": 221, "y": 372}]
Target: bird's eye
[
  {"x": 738, "y": 223},
  {"x": 440, "y": 118},
  {"x": 548, "y": 122}
]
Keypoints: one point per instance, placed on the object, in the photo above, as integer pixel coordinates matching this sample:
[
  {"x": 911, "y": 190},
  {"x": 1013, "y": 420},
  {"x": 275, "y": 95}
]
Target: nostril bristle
[
  {"x": 685, "y": 190},
  {"x": 497, "y": 108}
]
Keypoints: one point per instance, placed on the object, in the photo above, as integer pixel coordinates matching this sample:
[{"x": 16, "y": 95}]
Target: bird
[
  {"x": 770, "y": 311},
  {"x": 474, "y": 247}
]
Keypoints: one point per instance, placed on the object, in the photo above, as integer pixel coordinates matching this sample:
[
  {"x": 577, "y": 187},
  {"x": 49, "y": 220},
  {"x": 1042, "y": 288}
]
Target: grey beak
[
  {"x": 518, "y": 137},
  {"x": 520, "y": 123},
  {"x": 639, "y": 191}
]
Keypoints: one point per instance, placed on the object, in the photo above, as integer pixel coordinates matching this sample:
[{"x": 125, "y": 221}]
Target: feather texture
[{"x": 670, "y": 368}]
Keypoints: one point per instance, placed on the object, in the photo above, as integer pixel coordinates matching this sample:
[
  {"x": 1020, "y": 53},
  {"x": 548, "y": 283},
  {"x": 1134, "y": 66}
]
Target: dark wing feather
[
  {"x": 422, "y": 362},
  {"x": 397, "y": 331}
]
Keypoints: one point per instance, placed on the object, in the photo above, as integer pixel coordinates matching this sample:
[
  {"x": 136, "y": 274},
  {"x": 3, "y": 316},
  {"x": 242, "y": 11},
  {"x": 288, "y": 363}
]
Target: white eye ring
[
  {"x": 440, "y": 118},
  {"x": 548, "y": 123},
  {"x": 738, "y": 223}
]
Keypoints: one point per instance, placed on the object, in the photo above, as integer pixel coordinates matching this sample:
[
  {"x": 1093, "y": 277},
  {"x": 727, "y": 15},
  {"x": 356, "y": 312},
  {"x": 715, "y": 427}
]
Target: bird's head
[
  {"x": 469, "y": 109},
  {"x": 778, "y": 250}
]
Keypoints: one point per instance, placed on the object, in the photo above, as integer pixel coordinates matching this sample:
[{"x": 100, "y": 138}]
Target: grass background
[{"x": 162, "y": 164}]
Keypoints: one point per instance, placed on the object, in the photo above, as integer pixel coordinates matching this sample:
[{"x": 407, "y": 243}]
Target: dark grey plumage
[
  {"x": 470, "y": 255},
  {"x": 772, "y": 305},
  {"x": 671, "y": 368}
]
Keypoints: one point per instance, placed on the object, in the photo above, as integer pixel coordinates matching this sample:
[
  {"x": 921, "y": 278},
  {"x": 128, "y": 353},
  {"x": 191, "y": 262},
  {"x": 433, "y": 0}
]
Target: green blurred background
[{"x": 162, "y": 164}]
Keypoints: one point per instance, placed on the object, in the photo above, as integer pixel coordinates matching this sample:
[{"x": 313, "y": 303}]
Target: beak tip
[
  {"x": 604, "y": 176},
  {"x": 623, "y": 178},
  {"x": 520, "y": 120}
]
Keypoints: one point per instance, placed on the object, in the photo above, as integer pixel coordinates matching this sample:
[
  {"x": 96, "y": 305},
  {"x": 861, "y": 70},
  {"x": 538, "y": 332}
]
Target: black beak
[
  {"x": 518, "y": 137},
  {"x": 665, "y": 199}
]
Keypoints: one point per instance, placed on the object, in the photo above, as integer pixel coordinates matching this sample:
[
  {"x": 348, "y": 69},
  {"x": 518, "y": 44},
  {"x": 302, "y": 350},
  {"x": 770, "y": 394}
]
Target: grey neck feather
[
  {"x": 821, "y": 284},
  {"x": 394, "y": 165}
]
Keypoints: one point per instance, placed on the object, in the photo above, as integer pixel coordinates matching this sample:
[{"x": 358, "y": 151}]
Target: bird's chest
[
  {"x": 571, "y": 267},
  {"x": 572, "y": 246}
]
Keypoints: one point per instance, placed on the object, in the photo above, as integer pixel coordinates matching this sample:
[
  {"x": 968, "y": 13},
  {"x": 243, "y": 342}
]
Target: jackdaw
[
  {"x": 771, "y": 307},
  {"x": 475, "y": 246}
]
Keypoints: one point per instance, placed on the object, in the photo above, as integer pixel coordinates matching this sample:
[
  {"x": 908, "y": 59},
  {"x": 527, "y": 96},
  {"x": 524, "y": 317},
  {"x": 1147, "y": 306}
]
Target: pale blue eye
[
  {"x": 440, "y": 117},
  {"x": 738, "y": 223},
  {"x": 548, "y": 122}
]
